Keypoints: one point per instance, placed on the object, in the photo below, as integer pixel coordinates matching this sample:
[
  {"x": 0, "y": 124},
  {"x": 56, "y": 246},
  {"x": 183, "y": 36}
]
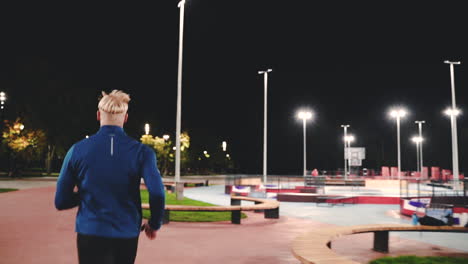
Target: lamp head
[
  {"x": 398, "y": 113},
  {"x": 452, "y": 62},
  {"x": 450, "y": 111},
  {"x": 304, "y": 115},
  {"x": 349, "y": 138}
]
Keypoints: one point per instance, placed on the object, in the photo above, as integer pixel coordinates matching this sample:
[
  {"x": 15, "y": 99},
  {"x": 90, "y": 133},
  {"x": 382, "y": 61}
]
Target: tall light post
[
  {"x": 345, "y": 128},
  {"x": 3, "y": 99},
  {"x": 181, "y": 6},
  {"x": 453, "y": 123},
  {"x": 265, "y": 80},
  {"x": 348, "y": 139},
  {"x": 304, "y": 115},
  {"x": 224, "y": 145},
  {"x": 398, "y": 113},
  {"x": 418, "y": 141},
  {"x": 453, "y": 113},
  {"x": 421, "y": 163},
  {"x": 179, "y": 187}
]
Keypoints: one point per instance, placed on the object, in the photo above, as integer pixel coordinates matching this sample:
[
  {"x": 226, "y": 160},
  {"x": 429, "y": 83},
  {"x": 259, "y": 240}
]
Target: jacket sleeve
[
  {"x": 154, "y": 184},
  {"x": 65, "y": 198}
]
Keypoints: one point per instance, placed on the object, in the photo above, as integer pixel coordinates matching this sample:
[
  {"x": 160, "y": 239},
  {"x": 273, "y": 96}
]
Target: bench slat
[{"x": 311, "y": 247}]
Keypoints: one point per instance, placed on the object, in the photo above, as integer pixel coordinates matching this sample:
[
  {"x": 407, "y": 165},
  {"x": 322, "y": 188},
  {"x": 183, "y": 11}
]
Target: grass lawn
[
  {"x": 189, "y": 216},
  {"x": 419, "y": 260},
  {"x": 7, "y": 190}
]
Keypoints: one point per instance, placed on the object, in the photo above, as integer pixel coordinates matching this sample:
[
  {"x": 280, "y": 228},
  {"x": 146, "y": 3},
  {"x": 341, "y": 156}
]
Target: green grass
[
  {"x": 419, "y": 260},
  {"x": 7, "y": 190},
  {"x": 189, "y": 216}
]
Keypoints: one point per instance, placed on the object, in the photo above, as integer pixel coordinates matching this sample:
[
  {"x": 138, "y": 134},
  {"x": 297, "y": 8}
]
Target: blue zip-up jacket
[{"x": 107, "y": 168}]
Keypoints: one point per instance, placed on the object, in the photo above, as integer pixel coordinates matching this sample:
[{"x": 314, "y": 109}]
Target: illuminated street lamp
[
  {"x": 224, "y": 145},
  {"x": 345, "y": 128},
  {"x": 265, "y": 81},
  {"x": 2, "y": 100},
  {"x": 453, "y": 122},
  {"x": 2, "y": 105},
  {"x": 304, "y": 115},
  {"x": 453, "y": 113},
  {"x": 147, "y": 128},
  {"x": 166, "y": 137},
  {"x": 348, "y": 139},
  {"x": 398, "y": 113},
  {"x": 181, "y": 6},
  {"x": 418, "y": 141}
]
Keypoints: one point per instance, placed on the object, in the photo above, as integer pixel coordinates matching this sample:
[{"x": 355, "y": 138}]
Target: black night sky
[{"x": 349, "y": 63}]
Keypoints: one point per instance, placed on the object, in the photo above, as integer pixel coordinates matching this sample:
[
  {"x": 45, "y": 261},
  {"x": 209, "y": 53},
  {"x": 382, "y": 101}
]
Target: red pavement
[{"x": 33, "y": 231}]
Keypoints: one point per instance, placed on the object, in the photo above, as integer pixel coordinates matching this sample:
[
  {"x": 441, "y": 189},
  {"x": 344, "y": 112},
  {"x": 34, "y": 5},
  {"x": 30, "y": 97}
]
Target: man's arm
[
  {"x": 65, "y": 198},
  {"x": 153, "y": 182}
]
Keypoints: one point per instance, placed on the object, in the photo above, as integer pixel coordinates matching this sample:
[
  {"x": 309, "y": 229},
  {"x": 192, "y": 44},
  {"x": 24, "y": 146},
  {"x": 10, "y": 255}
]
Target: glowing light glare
[
  {"x": 417, "y": 139},
  {"x": 451, "y": 111},
  {"x": 87, "y": 136},
  {"x": 227, "y": 156},
  {"x": 21, "y": 127},
  {"x": 398, "y": 113},
  {"x": 224, "y": 145},
  {"x": 2, "y": 97},
  {"x": 174, "y": 148},
  {"x": 205, "y": 152},
  {"x": 349, "y": 138},
  {"x": 147, "y": 128},
  {"x": 304, "y": 115},
  {"x": 165, "y": 137}
]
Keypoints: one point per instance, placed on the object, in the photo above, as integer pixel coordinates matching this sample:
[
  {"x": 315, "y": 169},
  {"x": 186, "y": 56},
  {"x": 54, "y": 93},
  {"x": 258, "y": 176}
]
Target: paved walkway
[{"x": 32, "y": 231}]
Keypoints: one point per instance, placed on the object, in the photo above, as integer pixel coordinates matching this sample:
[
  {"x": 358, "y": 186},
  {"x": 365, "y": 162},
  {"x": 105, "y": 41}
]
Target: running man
[{"x": 107, "y": 169}]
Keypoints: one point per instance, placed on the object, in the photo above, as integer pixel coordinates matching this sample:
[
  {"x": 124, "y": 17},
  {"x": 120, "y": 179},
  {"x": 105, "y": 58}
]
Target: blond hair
[{"x": 114, "y": 103}]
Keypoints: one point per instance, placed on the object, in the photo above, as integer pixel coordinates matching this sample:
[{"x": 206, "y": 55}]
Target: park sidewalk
[{"x": 33, "y": 231}]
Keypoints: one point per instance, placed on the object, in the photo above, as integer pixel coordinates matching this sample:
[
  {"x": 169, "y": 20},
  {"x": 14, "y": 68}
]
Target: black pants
[{"x": 105, "y": 250}]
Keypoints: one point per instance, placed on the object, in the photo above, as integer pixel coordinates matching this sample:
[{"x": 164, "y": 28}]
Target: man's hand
[{"x": 150, "y": 233}]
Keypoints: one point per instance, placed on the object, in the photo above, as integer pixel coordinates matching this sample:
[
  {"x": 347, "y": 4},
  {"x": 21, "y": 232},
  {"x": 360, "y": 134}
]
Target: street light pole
[
  {"x": 399, "y": 148},
  {"x": 265, "y": 80},
  {"x": 398, "y": 114},
  {"x": 345, "y": 127},
  {"x": 348, "y": 139},
  {"x": 418, "y": 141},
  {"x": 421, "y": 163},
  {"x": 453, "y": 122},
  {"x": 2, "y": 103},
  {"x": 304, "y": 116},
  {"x": 179, "y": 191}
]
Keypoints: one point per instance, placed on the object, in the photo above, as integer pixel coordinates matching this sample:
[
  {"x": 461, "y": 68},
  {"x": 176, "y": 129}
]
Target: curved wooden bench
[
  {"x": 270, "y": 208},
  {"x": 315, "y": 247}
]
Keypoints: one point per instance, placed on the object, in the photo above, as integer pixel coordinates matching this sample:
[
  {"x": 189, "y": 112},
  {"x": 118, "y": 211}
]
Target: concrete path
[{"x": 32, "y": 231}]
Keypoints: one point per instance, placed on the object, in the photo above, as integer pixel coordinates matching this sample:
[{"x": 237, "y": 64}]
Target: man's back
[{"x": 107, "y": 168}]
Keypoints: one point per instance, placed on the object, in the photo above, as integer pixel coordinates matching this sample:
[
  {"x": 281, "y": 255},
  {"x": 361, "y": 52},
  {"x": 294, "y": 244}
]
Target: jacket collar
[{"x": 111, "y": 130}]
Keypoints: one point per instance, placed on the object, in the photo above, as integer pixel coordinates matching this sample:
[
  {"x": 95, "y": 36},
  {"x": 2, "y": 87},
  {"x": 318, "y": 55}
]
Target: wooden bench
[
  {"x": 269, "y": 207},
  {"x": 333, "y": 200},
  {"x": 170, "y": 186},
  {"x": 315, "y": 247}
]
